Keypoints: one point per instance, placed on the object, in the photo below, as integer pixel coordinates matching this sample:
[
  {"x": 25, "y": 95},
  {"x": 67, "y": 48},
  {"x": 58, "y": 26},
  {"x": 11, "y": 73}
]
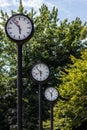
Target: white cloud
[
  {"x": 4, "y": 3},
  {"x": 8, "y": 5},
  {"x": 13, "y": 4},
  {"x": 67, "y": 8},
  {"x": 33, "y": 3},
  {"x": 26, "y": 3},
  {"x": 36, "y": 4}
]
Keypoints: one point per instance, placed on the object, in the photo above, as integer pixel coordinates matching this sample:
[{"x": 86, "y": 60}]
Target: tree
[
  {"x": 52, "y": 44},
  {"x": 72, "y": 113}
]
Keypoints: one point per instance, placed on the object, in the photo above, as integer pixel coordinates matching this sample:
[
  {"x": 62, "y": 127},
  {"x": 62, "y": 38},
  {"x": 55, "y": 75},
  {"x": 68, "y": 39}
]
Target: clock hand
[
  {"x": 50, "y": 93},
  {"x": 37, "y": 69},
  {"x": 39, "y": 72},
  {"x": 16, "y": 23},
  {"x": 19, "y": 29}
]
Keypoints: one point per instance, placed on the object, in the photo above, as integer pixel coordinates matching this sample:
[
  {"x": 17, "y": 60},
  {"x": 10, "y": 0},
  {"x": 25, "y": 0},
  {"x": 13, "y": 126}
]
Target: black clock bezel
[
  {"x": 38, "y": 80},
  {"x": 22, "y": 40},
  {"x": 54, "y": 99}
]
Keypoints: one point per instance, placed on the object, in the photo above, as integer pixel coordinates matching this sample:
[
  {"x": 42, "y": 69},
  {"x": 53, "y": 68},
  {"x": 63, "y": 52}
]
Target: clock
[
  {"x": 51, "y": 94},
  {"x": 40, "y": 72},
  {"x": 19, "y": 27}
]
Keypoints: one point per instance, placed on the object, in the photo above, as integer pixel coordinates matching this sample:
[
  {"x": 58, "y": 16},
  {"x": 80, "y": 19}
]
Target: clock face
[
  {"x": 51, "y": 94},
  {"x": 19, "y": 27},
  {"x": 40, "y": 72}
]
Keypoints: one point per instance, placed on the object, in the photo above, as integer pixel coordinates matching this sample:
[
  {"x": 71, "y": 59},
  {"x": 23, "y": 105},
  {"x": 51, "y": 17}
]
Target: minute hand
[
  {"x": 15, "y": 23},
  {"x": 39, "y": 72},
  {"x": 17, "y": 26}
]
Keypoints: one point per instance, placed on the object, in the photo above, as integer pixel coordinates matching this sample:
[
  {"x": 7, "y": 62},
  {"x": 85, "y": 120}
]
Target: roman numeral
[
  {"x": 28, "y": 22},
  {"x": 10, "y": 22},
  {"x": 10, "y": 32},
  {"x": 28, "y": 27},
  {"x": 9, "y": 27}
]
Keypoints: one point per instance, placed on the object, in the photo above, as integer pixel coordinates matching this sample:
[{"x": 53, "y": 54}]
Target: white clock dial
[
  {"x": 51, "y": 94},
  {"x": 19, "y": 27},
  {"x": 40, "y": 72}
]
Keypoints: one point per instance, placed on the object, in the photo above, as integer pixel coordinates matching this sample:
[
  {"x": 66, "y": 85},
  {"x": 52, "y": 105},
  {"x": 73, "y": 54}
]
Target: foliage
[
  {"x": 72, "y": 113},
  {"x": 52, "y": 43}
]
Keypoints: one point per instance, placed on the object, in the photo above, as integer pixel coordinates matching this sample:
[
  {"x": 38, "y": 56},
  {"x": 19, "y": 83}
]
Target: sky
[{"x": 66, "y": 8}]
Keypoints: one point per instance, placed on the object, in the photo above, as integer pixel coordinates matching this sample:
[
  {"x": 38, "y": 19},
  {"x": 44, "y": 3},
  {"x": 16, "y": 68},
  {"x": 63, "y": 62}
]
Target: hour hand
[{"x": 19, "y": 29}]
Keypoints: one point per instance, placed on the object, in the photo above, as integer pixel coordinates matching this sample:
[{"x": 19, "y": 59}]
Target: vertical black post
[
  {"x": 40, "y": 107},
  {"x": 19, "y": 88},
  {"x": 51, "y": 116}
]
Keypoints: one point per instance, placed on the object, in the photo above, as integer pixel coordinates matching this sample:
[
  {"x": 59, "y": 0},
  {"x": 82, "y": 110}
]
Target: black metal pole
[
  {"x": 19, "y": 88},
  {"x": 40, "y": 107},
  {"x": 51, "y": 116}
]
